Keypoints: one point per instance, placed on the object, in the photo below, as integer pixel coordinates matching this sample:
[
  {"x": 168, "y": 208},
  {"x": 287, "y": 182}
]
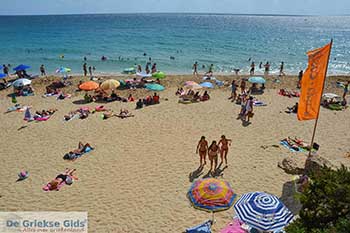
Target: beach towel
[
  {"x": 46, "y": 187},
  {"x": 289, "y": 147},
  {"x": 233, "y": 227},
  {"x": 73, "y": 157},
  {"x": 202, "y": 228},
  {"x": 13, "y": 108},
  {"x": 258, "y": 103}
]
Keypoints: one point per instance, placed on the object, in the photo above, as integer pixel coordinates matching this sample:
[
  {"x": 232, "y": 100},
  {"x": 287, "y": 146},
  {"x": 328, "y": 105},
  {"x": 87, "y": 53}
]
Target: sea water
[{"x": 173, "y": 41}]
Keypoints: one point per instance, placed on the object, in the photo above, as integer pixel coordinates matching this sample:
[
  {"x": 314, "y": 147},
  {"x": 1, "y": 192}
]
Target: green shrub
[{"x": 325, "y": 204}]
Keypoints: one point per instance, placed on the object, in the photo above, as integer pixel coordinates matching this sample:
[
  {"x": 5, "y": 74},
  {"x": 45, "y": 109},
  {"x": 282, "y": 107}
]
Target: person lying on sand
[
  {"x": 63, "y": 177},
  {"x": 107, "y": 114},
  {"x": 124, "y": 113},
  {"x": 45, "y": 113},
  {"x": 82, "y": 148}
]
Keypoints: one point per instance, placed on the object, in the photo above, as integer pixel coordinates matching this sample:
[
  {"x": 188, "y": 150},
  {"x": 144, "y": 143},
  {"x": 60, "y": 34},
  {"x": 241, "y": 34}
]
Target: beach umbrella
[
  {"x": 63, "y": 70},
  {"x": 21, "y": 67},
  {"x": 130, "y": 70},
  {"x": 143, "y": 75},
  {"x": 110, "y": 84},
  {"x": 211, "y": 195},
  {"x": 159, "y": 74},
  {"x": 89, "y": 86},
  {"x": 21, "y": 82},
  {"x": 263, "y": 211},
  {"x": 259, "y": 80},
  {"x": 154, "y": 87},
  {"x": 190, "y": 83},
  {"x": 207, "y": 85},
  {"x": 2, "y": 75}
]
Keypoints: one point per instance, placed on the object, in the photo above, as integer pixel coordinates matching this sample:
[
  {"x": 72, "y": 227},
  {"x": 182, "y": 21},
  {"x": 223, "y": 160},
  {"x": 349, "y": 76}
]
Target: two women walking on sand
[{"x": 213, "y": 150}]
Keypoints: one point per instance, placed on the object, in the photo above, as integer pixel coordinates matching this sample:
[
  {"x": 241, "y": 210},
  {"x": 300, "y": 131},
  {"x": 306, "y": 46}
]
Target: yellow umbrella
[{"x": 110, "y": 84}]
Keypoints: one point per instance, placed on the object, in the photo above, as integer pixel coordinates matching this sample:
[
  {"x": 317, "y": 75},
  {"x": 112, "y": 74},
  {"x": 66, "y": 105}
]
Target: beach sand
[{"x": 137, "y": 178}]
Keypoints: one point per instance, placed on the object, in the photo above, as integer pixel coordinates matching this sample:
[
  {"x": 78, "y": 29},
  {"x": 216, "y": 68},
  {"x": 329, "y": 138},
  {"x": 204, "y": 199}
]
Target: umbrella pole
[{"x": 212, "y": 217}]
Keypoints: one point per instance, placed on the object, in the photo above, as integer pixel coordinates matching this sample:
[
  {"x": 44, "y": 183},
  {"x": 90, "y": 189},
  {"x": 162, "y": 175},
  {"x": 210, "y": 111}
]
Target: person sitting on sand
[
  {"x": 202, "y": 148},
  {"x": 293, "y": 109},
  {"x": 180, "y": 91},
  {"x": 88, "y": 98},
  {"x": 155, "y": 98},
  {"x": 148, "y": 100},
  {"x": 205, "y": 96},
  {"x": 139, "y": 104},
  {"x": 224, "y": 143},
  {"x": 213, "y": 151},
  {"x": 61, "y": 178},
  {"x": 114, "y": 96},
  {"x": 131, "y": 98},
  {"x": 190, "y": 92}
]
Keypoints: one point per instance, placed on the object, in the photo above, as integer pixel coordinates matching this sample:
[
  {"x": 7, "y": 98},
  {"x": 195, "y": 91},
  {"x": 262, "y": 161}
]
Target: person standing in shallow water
[
  {"x": 85, "y": 69},
  {"x": 252, "y": 68},
  {"x": 42, "y": 70},
  {"x": 202, "y": 149},
  {"x": 195, "y": 68},
  {"x": 224, "y": 143},
  {"x": 281, "y": 69}
]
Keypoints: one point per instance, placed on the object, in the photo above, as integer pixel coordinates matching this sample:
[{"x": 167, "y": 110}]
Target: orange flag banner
[{"x": 312, "y": 83}]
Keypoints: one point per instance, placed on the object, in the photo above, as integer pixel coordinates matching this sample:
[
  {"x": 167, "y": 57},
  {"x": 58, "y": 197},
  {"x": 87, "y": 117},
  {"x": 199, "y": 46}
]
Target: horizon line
[{"x": 184, "y": 13}]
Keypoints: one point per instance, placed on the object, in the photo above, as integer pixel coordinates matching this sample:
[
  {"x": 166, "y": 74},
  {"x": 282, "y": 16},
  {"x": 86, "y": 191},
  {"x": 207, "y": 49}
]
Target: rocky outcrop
[
  {"x": 293, "y": 164},
  {"x": 315, "y": 162}
]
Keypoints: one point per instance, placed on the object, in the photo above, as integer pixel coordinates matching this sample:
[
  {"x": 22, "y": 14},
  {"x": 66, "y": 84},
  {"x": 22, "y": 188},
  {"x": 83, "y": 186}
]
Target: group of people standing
[
  {"x": 267, "y": 67},
  {"x": 91, "y": 69},
  {"x": 213, "y": 150}
]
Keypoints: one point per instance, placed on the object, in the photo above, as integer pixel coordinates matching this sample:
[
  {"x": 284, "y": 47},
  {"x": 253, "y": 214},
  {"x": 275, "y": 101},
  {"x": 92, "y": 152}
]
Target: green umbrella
[{"x": 159, "y": 74}]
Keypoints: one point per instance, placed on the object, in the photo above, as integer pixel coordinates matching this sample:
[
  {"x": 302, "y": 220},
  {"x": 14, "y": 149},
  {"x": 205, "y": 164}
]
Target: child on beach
[{"x": 202, "y": 148}]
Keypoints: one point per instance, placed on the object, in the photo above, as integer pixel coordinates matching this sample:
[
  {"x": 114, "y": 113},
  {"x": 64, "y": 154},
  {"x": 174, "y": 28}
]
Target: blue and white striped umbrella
[{"x": 263, "y": 211}]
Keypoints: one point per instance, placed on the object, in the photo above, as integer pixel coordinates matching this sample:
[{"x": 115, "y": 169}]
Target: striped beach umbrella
[
  {"x": 263, "y": 211},
  {"x": 211, "y": 195}
]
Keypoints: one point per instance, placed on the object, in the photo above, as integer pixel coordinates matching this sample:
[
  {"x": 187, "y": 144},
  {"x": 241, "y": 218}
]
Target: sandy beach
[{"x": 137, "y": 177}]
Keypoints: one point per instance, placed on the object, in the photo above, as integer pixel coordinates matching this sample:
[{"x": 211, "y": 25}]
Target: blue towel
[
  {"x": 202, "y": 228},
  {"x": 285, "y": 144}
]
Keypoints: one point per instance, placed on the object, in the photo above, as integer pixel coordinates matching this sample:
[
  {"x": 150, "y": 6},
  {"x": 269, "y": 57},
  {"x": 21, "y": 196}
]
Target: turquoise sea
[{"x": 227, "y": 41}]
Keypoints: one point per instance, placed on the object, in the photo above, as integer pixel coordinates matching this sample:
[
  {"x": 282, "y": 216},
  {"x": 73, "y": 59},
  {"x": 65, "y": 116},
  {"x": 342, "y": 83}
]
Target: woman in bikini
[
  {"x": 224, "y": 143},
  {"x": 63, "y": 177},
  {"x": 202, "y": 148},
  {"x": 213, "y": 151}
]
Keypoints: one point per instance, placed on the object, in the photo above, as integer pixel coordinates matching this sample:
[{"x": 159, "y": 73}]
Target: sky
[{"x": 289, "y": 7}]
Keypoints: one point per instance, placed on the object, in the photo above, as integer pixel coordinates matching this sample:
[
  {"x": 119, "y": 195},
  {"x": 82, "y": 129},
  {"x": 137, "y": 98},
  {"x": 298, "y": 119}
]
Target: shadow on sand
[
  {"x": 289, "y": 197},
  {"x": 195, "y": 174}
]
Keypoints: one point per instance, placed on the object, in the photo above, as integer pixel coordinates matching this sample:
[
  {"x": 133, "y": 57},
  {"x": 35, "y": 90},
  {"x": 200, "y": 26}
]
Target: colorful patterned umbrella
[
  {"x": 110, "y": 84},
  {"x": 211, "y": 195},
  {"x": 89, "y": 86},
  {"x": 263, "y": 211}
]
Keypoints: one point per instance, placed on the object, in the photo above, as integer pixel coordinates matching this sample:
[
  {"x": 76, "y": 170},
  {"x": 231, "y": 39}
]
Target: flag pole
[{"x": 318, "y": 113}]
